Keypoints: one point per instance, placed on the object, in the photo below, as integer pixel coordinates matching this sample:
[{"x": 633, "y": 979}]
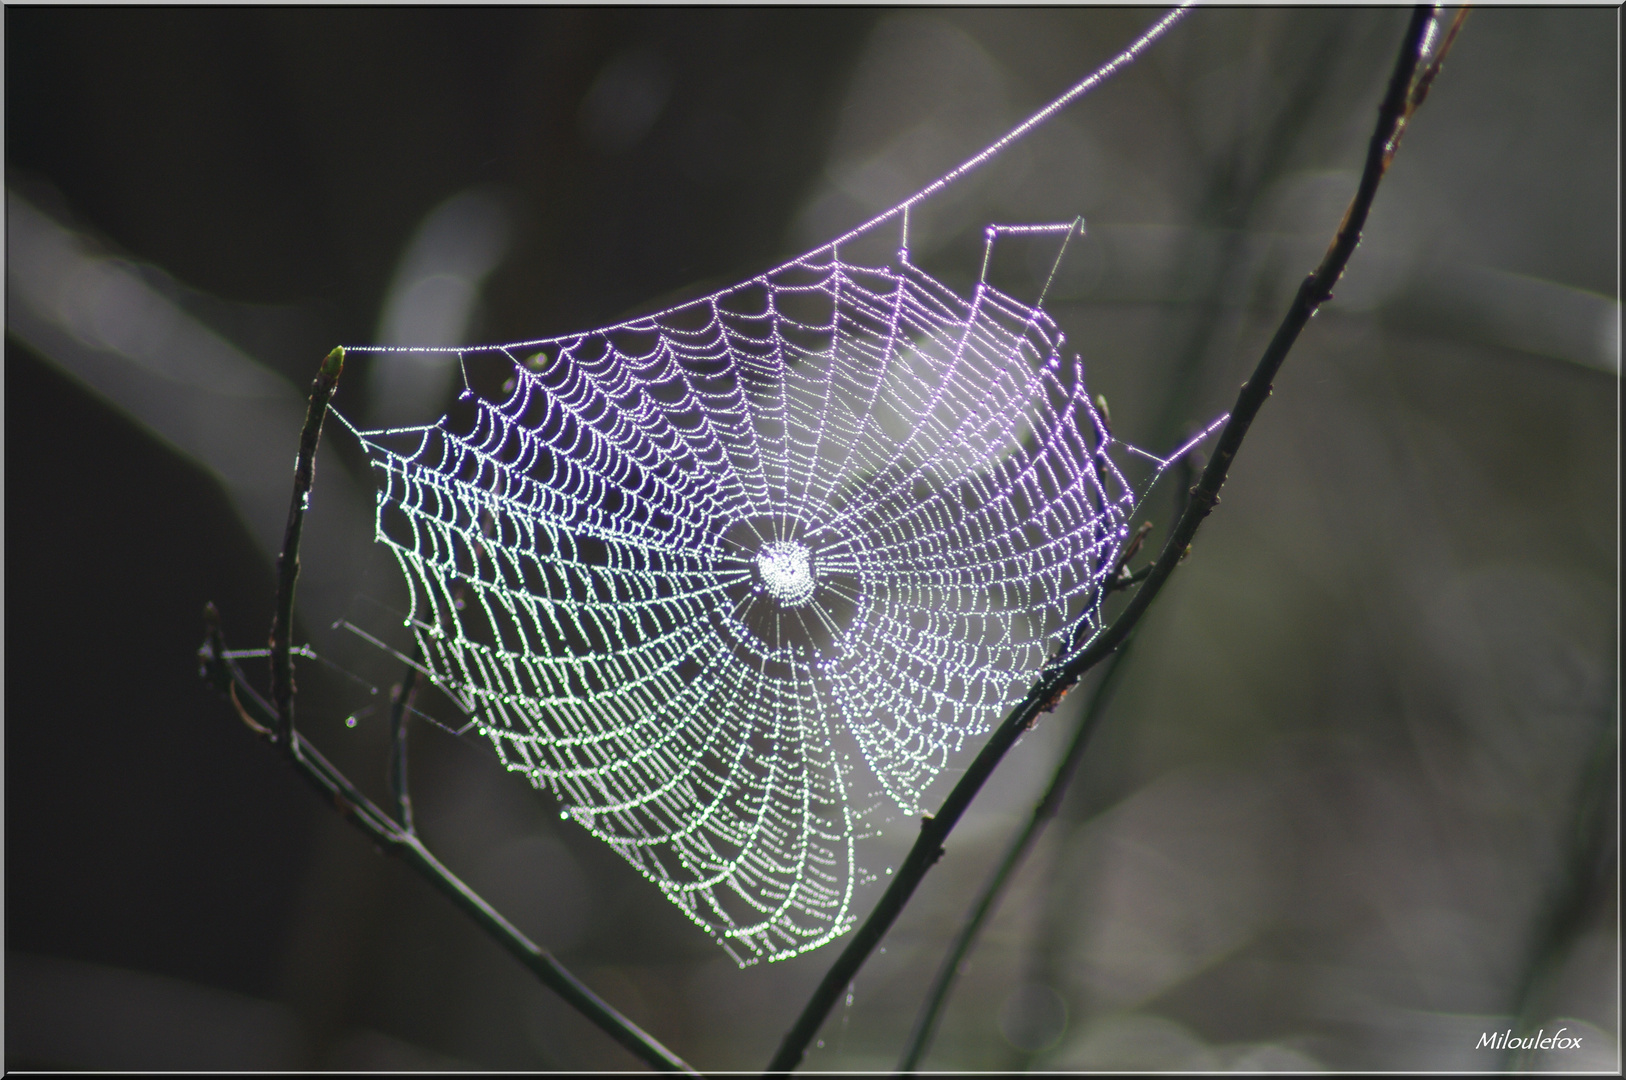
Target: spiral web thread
[{"x": 711, "y": 575}]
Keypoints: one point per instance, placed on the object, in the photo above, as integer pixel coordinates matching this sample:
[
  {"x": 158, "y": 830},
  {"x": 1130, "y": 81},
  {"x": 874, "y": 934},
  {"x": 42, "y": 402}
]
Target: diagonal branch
[
  {"x": 274, "y": 721},
  {"x": 1315, "y": 290}
]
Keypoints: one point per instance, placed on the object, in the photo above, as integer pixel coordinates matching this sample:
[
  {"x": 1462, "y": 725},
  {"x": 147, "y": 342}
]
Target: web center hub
[{"x": 785, "y": 569}]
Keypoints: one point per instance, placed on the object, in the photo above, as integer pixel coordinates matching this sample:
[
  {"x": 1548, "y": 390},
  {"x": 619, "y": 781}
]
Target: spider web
[{"x": 712, "y": 574}]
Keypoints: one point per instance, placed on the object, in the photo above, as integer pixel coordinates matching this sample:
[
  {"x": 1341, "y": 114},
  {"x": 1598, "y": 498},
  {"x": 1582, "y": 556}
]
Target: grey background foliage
[{"x": 1354, "y": 805}]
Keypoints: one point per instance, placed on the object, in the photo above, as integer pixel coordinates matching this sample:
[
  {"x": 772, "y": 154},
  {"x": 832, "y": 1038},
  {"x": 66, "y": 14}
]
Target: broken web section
[{"x": 711, "y": 575}]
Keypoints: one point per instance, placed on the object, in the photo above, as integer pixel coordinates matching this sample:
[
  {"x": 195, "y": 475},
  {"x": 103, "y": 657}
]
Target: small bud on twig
[{"x": 333, "y": 363}]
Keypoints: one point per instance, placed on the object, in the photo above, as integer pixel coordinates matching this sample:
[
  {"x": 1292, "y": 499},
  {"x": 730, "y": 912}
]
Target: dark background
[{"x": 1354, "y": 804}]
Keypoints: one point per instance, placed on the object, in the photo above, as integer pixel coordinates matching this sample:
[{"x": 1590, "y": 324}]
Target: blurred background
[{"x": 1354, "y": 804}]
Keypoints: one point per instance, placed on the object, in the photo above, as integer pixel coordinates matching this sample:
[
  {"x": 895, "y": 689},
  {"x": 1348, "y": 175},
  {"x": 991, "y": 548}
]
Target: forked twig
[
  {"x": 274, "y": 720},
  {"x": 1316, "y": 289}
]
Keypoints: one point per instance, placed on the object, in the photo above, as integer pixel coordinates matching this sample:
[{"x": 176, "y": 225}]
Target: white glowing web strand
[{"x": 678, "y": 560}]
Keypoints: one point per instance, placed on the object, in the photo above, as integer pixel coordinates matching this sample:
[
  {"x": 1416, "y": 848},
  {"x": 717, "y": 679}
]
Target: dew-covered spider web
[{"x": 711, "y": 575}]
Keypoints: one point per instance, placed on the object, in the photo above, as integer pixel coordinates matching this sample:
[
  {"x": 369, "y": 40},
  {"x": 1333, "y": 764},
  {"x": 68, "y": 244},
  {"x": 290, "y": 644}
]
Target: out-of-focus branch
[
  {"x": 405, "y": 692},
  {"x": 925, "y": 1027},
  {"x": 1589, "y": 880},
  {"x": 1049, "y": 804},
  {"x": 1049, "y": 688}
]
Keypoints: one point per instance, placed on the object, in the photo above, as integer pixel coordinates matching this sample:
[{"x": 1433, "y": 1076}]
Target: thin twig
[
  {"x": 282, "y": 621},
  {"x": 275, "y": 720},
  {"x": 1425, "y": 79},
  {"x": 928, "y": 847},
  {"x": 925, "y": 1027},
  {"x": 1120, "y": 576}
]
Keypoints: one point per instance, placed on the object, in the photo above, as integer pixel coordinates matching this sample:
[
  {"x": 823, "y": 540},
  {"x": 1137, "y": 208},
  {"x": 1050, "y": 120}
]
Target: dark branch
[
  {"x": 1049, "y": 688},
  {"x": 282, "y": 621}
]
